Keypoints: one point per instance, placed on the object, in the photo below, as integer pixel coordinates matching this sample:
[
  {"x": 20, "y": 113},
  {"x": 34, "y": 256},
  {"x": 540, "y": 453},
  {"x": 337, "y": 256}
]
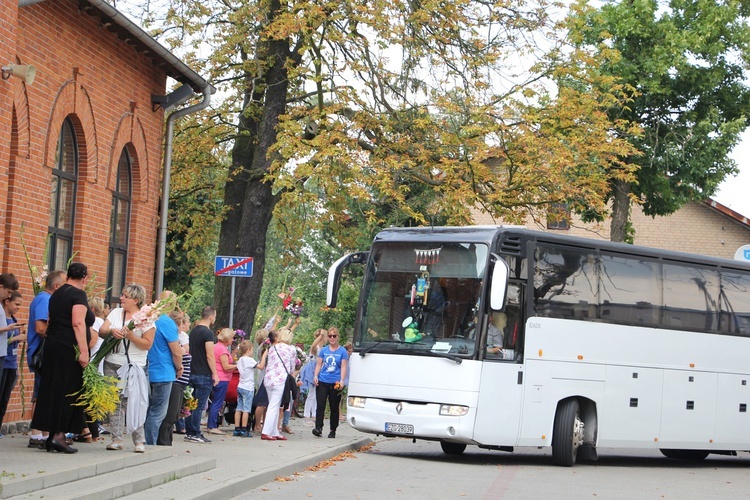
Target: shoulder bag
[
  {"x": 35, "y": 361},
  {"x": 290, "y": 387}
]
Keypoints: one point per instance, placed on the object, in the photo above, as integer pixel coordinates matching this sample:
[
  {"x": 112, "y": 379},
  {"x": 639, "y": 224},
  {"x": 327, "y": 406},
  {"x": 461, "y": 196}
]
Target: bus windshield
[{"x": 422, "y": 298}]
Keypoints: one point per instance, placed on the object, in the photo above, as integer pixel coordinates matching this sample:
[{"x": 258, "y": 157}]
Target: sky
[{"x": 734, "y": 192}]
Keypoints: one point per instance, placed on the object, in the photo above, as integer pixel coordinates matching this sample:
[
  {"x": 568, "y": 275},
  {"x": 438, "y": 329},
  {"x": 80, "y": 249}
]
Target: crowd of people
[{"x": 157, "y": 365}]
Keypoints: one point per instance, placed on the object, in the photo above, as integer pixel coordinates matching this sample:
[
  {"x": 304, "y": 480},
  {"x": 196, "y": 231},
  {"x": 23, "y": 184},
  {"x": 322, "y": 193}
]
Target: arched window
[
  {"x": 119, "y": 228},
  {"x": 63, "y": 201}
]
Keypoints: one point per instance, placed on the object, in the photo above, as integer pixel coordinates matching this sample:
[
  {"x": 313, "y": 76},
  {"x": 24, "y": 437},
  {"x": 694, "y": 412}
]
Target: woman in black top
[{"x": 62, "y": 374}]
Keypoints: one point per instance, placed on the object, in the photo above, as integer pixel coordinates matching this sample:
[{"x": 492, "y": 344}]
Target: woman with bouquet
[
  {"x": 133, "y": 349},
  {"x": 62, "y": 367}
]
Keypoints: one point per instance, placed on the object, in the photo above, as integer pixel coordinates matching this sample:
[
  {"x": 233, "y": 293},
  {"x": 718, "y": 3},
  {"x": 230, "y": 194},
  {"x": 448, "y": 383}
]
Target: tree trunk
[
  {"x": 620, "y": 211},
  {"x": 249, "y": 197}
]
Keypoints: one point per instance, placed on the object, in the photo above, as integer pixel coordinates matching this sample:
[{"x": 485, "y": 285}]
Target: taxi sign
[{"x": 241, "y": 267}]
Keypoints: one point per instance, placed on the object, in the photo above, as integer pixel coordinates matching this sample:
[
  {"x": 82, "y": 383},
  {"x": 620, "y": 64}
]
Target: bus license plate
[{"x": 399, "y": 428}]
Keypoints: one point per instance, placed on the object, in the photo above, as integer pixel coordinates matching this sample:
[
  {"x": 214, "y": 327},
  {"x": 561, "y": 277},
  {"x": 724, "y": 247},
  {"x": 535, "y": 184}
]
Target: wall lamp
[{"x": 25, "y": 72}]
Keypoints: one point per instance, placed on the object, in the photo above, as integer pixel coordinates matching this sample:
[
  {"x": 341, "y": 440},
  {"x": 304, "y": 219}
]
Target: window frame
[
  {"x": 56, "y": 233},
  {"x": 119, "y": 248}
]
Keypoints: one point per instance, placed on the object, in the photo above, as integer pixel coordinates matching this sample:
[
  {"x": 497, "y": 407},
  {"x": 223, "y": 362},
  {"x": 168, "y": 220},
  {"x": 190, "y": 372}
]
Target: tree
[
  {"x": 199, "y": 172},
  {"x": 397, "y": 110},
  {"x": 684, "y": 62}
]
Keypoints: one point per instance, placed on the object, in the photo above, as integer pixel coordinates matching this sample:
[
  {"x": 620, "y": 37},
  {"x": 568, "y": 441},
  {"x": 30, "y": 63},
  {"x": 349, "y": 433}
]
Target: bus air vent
[{"x": 511, "y": 245}]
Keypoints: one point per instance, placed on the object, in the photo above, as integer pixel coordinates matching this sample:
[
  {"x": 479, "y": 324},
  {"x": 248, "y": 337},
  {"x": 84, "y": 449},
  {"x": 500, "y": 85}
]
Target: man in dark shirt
[{"x": 203, "y": 375}]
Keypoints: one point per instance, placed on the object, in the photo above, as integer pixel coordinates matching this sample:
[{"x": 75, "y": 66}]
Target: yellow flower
[{"x": 99, "y": 394}]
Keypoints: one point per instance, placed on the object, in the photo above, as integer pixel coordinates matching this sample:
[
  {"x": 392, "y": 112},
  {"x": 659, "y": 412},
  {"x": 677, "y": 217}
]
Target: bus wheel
[
  {"x": 567, "y": 435},
  {"x": 452, "y": 448},
  {"x": 684, "y": 454}
]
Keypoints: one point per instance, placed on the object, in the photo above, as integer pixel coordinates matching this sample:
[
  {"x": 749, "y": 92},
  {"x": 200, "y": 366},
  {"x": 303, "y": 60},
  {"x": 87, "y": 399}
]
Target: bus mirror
[
  {"x": 335, "y": 271},
  {"x": 499, "y": 283}
]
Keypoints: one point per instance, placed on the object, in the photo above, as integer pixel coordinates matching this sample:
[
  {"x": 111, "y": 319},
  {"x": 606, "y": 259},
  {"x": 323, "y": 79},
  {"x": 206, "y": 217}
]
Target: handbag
[
  {"x": 35, "y": 361},
  {"x": 290, "y": 387}
]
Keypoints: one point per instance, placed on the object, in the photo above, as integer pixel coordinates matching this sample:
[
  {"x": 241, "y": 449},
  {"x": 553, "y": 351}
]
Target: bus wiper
[
  {"x": 456, "y": 359},
  {"x": 373, "y": 346}
]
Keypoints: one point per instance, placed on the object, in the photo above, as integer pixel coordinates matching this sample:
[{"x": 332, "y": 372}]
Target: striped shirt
[{"x": 185, "y": 378}]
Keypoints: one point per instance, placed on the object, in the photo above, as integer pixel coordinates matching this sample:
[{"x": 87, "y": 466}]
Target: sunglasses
[{"x": 332, "y": 336}]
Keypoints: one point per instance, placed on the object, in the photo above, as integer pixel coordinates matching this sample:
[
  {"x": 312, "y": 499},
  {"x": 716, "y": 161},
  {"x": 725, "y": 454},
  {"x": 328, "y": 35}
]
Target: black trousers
[
  {"x": 173, "y": 413},
  {"x": 327, "y": 394}
]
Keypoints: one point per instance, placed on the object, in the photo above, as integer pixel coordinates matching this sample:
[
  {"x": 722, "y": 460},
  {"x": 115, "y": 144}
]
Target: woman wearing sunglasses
[{"x": 330, "y": 373}]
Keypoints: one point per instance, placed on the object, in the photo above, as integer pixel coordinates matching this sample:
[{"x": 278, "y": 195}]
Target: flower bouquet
[
  {"x": 100, "y": 394},
  {"x": 239, "y": 337},
  {"x": 189, "y": 403},
  {"x": 290, "y": 303}
]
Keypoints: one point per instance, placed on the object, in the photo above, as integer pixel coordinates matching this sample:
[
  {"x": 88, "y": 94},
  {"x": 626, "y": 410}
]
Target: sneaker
[
  {"x": 247, "y": 434},
  {"x": 332, "y": 434},
  {"x": 197, "y": 439},
  {"x": 238, "y": 432},
  {"x": 103, "y": 431},
  {"x": 317, "y": 432}
]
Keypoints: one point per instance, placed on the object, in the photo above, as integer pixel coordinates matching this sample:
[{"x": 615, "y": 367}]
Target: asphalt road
[{"x": 398, "y": 468}]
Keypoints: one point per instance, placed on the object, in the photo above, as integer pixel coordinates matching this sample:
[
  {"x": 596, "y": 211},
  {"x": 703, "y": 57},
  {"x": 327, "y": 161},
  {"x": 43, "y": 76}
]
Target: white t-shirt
[
  {"x": 117, "y": 356},
  {"x": 98, "y": 322},
  {"x": 246, "y": 367}
]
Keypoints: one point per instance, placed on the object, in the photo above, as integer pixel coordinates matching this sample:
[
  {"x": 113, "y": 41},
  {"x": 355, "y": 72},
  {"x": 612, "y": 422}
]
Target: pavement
[{"x": 225, "y": 468}]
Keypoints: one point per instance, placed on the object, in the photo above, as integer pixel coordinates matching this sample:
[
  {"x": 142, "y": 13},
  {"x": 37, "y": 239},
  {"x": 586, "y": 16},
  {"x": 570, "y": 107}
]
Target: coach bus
[{"x": 503, "y": 337}]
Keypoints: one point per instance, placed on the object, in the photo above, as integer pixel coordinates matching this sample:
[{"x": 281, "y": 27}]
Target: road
[{"x": 398, "y": 468}]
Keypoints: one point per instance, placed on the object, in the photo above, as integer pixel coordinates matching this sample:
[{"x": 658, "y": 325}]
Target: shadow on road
[{"x": 608, "y": 457}]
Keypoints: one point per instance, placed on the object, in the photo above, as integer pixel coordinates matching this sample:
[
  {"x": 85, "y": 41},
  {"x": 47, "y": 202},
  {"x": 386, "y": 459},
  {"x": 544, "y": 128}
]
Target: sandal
[{"x": 83, "y": 438}]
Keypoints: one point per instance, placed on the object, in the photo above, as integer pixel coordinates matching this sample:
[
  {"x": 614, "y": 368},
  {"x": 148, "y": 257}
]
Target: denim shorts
[{"x": 244, "y": 400}]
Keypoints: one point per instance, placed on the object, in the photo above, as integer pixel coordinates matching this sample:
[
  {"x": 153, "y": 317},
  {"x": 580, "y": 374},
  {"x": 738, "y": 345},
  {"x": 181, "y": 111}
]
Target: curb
[{"x": 258, "y": 479}]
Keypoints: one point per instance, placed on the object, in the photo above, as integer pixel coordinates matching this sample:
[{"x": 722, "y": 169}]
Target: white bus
[{"x": 601, "y": 344}]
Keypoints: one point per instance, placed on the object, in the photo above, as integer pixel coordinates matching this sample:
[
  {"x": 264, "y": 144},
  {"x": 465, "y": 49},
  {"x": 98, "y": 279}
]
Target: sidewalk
[{"x": 225, "y": 468}]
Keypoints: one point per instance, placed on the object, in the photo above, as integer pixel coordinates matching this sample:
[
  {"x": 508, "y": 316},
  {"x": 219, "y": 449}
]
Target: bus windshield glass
[{"x": 422, "y": 298}]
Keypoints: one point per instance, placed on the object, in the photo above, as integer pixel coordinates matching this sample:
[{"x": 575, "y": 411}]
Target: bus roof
[{"x": 488, "y": 235}]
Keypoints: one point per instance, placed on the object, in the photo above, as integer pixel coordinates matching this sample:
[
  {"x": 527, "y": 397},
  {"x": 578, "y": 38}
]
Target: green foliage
[
  {"x": 196, "y": 208},
  {"x": 683, "y": 61}
]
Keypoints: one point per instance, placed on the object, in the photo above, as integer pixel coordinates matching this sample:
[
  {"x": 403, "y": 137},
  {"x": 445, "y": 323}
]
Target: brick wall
[{"x": 87, "y": 73}]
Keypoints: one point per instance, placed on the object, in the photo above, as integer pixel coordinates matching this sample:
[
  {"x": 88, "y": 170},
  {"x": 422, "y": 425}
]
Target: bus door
[{"x": 501, "y": 385}]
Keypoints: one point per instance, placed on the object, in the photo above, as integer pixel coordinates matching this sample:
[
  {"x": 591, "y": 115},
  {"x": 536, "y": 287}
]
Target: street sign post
[{"x": 233, "y": 267}]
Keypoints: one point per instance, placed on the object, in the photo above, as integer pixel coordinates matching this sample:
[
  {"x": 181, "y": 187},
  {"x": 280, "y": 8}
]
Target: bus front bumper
[{"x": 408, "y": 419}]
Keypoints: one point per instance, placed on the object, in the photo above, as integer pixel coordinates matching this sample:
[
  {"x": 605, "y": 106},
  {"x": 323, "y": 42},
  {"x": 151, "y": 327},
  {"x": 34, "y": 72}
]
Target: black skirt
[{"x": 62, "y": 378}]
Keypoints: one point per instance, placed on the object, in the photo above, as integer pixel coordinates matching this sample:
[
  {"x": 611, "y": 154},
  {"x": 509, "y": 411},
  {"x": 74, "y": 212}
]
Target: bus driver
[{"x": 496, "y": 333}]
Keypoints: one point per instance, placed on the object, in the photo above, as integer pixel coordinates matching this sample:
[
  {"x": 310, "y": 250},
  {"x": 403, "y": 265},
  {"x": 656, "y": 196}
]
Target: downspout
[{"x": 161, "y": 248}]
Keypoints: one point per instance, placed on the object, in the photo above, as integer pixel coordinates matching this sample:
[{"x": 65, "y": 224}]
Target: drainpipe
[{"x": 161, "y": 248}]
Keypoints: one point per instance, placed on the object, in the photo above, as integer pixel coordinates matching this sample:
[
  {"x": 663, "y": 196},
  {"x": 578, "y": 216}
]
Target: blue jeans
[
  {"x": 217, "y": 403},
  {"x": 157, "y": 410},
  {"x": 201, "y": 385}
]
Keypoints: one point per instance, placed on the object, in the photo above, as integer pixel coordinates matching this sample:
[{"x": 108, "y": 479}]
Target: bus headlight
[
  {"x": 453, "y": 410},
  {"x": 356, "y": 401}
]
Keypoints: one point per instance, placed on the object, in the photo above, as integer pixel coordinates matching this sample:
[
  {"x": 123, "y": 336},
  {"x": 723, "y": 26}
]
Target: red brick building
[{"x": 81, "y": 147}]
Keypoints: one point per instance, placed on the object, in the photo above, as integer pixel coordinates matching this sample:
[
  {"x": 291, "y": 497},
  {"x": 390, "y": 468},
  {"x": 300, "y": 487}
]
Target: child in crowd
[
  {"x": 245, "y": 389},
  {"x": 9, "y": 364}
]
